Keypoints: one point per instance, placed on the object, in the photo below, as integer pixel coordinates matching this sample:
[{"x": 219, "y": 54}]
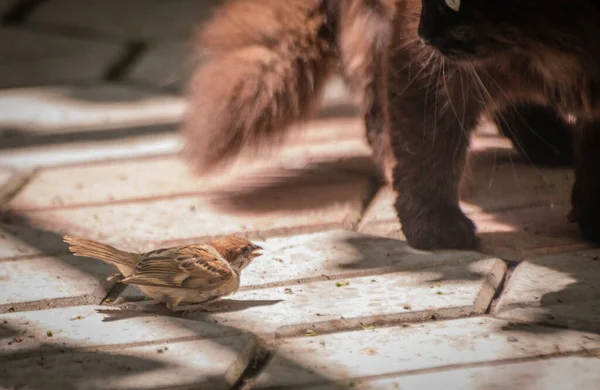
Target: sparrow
[{"x": 194, "y": 274}]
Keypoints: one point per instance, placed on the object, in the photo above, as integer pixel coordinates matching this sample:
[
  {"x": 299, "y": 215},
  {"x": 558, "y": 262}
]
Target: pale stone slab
[
  {"x": 141, "y": 225},
  {"x": 84, "y": 327},
  {"x": 18, "y": 241},
  {"x": 420, "y": 294},
  {"x": 144, "y": 178},
  {"x": 79, "y": 109},
  {"x": 341, "y": 252},
  {"x": 487, "y": 144},
  {"x": 165, "y": 65},
  {"x": 567, "y": 278},
  {"x": 5, "y": 176},
  {"x": 580, "y": 316},
  {"x": 35, "y": 282},
  {"x": 31, "y": 58},
  {"x": 510, "y": 187},
  {"x": 126, "y": 19},
  {"x": 90, "y": 151},
  {"x": 198, "y": 364},
  {"x": 521, "y": 234},
  {"x": 564, "y": 373},
  {"x": 500, "y": 186},
  {"x": 400, "y": 350},
  {"x": 511, "y": 235},
  {"x": 334, "y": 254},
  {"x": 381, "y": 210}
]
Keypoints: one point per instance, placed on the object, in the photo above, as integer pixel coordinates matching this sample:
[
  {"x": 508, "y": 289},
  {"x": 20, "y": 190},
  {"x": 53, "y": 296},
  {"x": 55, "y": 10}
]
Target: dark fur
[{"x": 427, "y": 75}]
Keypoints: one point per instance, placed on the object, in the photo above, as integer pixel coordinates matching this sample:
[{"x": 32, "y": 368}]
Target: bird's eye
[
  {"x": 454, "y": 5},
  {"x": 246, "y": 250}
]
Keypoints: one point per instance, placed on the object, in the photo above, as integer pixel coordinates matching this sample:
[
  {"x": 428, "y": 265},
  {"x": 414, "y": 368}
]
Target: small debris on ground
[
  {"x": 341, "y": 284},
  {"x": 369, "y": 351},
  {"x": 367, "y": 327}
]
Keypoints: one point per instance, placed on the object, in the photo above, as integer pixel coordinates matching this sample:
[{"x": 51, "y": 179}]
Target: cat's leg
[
  {"x": 430, "y": 134},
  {"x": 365, "y": 31},
  {"x": 539, "y": 133},
  {"x": 585, "y": 196}
]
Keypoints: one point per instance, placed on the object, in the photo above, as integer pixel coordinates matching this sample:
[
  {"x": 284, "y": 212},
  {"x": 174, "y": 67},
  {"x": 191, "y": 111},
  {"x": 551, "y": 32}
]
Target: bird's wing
[{"x": 192, "y": 266}]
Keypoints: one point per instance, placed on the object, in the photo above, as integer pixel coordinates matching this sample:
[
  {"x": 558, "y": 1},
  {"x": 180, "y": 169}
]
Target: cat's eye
[{"x": 454, "y": 5}]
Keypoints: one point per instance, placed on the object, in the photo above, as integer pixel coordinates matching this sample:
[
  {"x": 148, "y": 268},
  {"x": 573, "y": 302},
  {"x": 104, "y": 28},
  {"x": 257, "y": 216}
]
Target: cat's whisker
[
  {"x": 497, "y": 112},
  {"x": 519, "y": 115},
  {"x": 450, "y": 98}
]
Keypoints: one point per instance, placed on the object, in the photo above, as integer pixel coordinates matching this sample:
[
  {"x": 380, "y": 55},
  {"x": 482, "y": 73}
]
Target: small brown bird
[{"x": 193, "y": 274}]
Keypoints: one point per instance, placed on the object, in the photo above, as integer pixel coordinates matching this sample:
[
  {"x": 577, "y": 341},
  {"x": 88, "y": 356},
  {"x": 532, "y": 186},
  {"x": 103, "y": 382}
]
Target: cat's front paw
[{"x": 446, "y": 228}]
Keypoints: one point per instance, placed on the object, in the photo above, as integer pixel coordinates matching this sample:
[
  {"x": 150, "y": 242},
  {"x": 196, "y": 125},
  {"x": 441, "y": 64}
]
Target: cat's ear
[{"x": 454, "y": 5}]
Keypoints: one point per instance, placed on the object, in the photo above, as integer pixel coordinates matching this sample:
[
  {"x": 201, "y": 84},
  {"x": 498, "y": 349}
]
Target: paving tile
[
  {"x": 402, "y": 350},
  {"x": 141, "y": 225},
  {"x": 164, "y": 65},
  {"x": 511, "y": 235},
  {"x": 487, "y": 145},
  {"x": 341, "y": 252},
  {"x": 499, "y": 186},
  {"x": 84, "y": 327},
  {"x": 579, "y": 316},
  {"x": 126, "y": 19},
  {"x": 547, "y": 374},
  {"x": 561, "y": 289},
  {"x": 204, "y": 364},
  {"x": 18, "y": 241},
  {"x": 30, "y": 58},
  {"x": 554, "y": 279},
  {"x": 488, "y": 192},
  {"x": 420, "y": 294},
  {"x": 38, "y": 111},
  {"x": 6, "y": 176},
  {"x": 519, "y": 234},
  {"x": 303, "y": 160},
  {"x": 33, "y": 283},
  {"x": 333, "y": 254},
  {"x": 90, "y": 151}
]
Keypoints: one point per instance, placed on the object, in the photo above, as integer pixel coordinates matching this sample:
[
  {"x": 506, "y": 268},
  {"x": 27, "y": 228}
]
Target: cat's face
[{"x": 476, "y": 29}]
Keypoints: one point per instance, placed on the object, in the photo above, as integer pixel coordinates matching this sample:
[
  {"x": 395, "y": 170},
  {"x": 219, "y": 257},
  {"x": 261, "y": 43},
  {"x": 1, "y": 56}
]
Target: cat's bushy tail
[{"x": 267, "y": 63}]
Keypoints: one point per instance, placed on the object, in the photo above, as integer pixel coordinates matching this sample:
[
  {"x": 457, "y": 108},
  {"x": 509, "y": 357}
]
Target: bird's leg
[
  {"x": 173, "y": 302},
  {"x": 206, "y": 306}
]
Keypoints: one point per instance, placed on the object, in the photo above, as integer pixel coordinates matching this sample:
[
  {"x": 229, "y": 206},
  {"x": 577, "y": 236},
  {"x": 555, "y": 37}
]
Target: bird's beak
[{"x": 256, "y": 251}]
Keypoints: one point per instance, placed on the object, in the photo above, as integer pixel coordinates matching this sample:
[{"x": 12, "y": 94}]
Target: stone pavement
[{"x": 88, "y": 112}]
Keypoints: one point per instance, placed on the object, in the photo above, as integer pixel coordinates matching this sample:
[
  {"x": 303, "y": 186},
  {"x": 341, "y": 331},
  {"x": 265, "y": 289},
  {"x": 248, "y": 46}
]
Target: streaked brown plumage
[{"x": 199, "y": 273}]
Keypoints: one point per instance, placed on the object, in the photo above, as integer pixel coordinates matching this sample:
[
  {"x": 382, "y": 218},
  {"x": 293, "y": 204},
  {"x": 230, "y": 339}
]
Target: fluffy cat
[{"x": 427, "y": 71}]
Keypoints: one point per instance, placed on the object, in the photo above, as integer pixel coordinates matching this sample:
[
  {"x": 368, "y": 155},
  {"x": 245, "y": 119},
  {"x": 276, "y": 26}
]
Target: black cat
[{"x": 428, "y": 71}]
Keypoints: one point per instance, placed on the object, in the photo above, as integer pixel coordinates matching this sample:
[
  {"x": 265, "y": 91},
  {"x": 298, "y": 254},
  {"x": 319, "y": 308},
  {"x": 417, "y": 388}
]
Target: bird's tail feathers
[{"x": 90, "y": 248}]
